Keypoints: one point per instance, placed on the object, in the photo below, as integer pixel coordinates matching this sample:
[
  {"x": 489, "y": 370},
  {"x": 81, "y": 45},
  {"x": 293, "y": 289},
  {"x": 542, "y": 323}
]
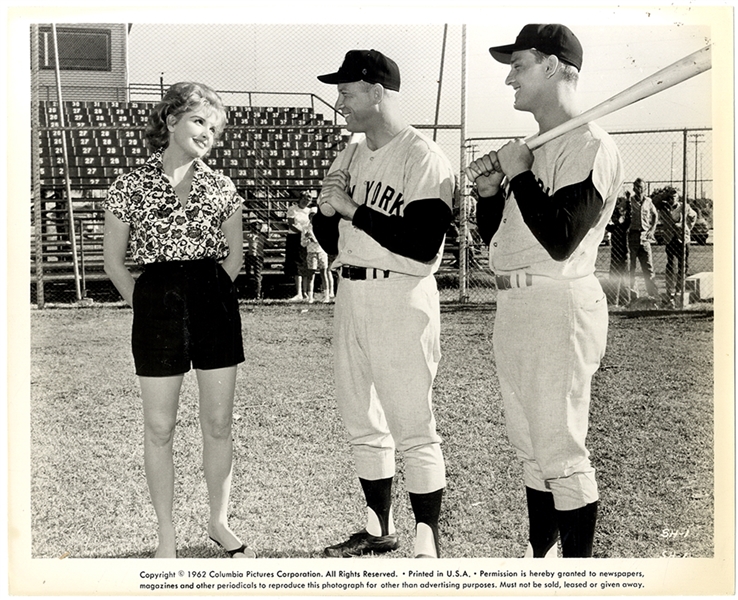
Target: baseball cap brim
[
  {"x": 337, "y": 77},
  {"x": 503, "y": 54}
]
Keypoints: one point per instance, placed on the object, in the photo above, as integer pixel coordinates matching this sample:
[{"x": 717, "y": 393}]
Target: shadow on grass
[
  {"x": 640, "y": 314},
  {"x": 458, "y": 307},
  {"x": 204, "y": 551}
]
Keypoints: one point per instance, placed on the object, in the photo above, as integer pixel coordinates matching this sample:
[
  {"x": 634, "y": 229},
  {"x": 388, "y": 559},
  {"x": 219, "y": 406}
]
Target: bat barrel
[{"x": 683, "y": 69}]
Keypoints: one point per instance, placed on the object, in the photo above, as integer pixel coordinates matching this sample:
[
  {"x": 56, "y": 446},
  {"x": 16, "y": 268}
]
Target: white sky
[
  {"x": 622, "y": 45},
  {"x": 283, "y": 46},
  {"x": 621, "y": 48}
]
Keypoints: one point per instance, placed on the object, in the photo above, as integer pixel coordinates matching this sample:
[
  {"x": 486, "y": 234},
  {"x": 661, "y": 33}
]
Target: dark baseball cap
[
  {"x": 366, "y": 65},
  {"x": 549, "y": 39}
]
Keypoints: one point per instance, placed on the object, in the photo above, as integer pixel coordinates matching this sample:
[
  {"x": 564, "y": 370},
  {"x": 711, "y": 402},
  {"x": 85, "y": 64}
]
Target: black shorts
[
  {"x": 185, "y": 314},
  {"x": 295, "y": 256}
]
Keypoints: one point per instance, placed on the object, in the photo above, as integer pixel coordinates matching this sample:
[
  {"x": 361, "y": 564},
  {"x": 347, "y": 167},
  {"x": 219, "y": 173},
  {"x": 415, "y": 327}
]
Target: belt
[
  {"x": 522, "y": 280},
  {"x": 361, "y": 273}
]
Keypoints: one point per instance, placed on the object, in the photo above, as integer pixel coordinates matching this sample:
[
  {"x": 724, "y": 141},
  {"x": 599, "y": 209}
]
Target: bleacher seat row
[
  {"x": 270, "y": 153},
  {"x": 107, "y": 139}
]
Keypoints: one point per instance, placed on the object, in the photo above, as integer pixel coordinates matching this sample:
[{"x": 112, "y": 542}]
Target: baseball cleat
[
  {"x": 361, "y": 543},
  {"x": 553, "y": 551}
]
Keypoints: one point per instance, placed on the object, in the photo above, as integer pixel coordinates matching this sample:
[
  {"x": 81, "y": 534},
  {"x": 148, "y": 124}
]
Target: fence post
[
  {"x": 67, "y": 177},
  {"x": 35, "y": 172},
  {"x": 682, "y": 275},
  {"x": 462, "y": 194}
]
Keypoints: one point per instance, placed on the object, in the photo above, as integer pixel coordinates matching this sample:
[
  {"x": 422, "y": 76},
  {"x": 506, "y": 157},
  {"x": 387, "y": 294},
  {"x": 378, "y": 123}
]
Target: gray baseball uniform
[{"x": 387, "y": 314}]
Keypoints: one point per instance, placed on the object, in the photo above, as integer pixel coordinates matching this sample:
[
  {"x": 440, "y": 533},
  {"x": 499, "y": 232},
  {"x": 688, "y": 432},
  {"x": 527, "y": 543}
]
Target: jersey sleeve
[
  {"x": 560, "y": 217},
  {"x": 561, "y": 221},
  {"x": 418, "y": 234},
  {"x": 428, "y": 192},
  {"x": 428, "y": 175},
  {"x": 326, "y": 231},
  {"x": 489, "y": 215}
]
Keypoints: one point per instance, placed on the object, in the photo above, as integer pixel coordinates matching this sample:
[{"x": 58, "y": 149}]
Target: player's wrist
[{"x": 487, "y": 190}]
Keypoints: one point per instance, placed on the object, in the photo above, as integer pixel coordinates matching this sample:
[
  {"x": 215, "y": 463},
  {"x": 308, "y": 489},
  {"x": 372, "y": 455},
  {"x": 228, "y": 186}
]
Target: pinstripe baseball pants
[
  {"x": 548, "y": 342},
  {"x": 387, "y": 349}
]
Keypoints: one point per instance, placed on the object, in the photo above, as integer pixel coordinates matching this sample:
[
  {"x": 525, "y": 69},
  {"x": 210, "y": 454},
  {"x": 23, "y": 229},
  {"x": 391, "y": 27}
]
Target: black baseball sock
[
  {"x": 543, "y": 528},
  {"x": 577, "y": 528},
  {"x": 378, "y": 494},
  {"x": 427, "y": 509}
]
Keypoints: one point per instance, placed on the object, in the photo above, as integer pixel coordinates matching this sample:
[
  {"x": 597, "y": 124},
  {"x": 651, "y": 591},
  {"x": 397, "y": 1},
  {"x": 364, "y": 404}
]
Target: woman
[{"x": 183, "y": 224}]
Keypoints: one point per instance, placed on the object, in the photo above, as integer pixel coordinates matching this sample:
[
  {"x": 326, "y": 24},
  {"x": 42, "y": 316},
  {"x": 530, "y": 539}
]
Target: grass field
[{"x": 294, "y": 488}]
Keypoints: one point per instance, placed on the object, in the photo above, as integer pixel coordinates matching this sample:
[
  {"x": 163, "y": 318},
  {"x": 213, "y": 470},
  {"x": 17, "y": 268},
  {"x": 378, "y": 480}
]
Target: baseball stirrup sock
[
  {"x": 542, "y": 521},
  {"x": 577, "y": 529},
  {"x": 378, "y": 494},
  {"x": 427, "y": 510}
]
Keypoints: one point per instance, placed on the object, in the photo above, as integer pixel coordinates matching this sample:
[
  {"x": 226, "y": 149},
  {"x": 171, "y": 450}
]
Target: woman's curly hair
[{"x": 180, "y": 98}]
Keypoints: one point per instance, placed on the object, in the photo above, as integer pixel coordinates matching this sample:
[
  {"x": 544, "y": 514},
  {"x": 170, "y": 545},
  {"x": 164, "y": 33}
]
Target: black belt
[
  {"x": 508, "y": 282},
  {"x": 361, "y": 273}
]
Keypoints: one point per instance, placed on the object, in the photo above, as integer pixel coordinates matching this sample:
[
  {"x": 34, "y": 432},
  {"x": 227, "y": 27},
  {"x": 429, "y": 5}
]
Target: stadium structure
[
  {"x": 88, "y": 123},
  {"x": 89, "y": 127}
]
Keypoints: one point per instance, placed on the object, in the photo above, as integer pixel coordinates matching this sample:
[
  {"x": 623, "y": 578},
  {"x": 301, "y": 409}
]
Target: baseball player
[
  {"x": 543, "y": 214},
  {"x": 392, "y": 209}
]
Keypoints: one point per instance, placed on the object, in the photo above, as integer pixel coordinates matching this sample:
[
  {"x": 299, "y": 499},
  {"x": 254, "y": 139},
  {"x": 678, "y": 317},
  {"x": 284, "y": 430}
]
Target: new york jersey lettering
[{"x": 388, "y": 201}]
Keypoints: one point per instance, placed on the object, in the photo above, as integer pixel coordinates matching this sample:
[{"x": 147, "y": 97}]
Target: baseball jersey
[
  {"x": 385, "y": 183},
  {"x": 566, "y": 200}
]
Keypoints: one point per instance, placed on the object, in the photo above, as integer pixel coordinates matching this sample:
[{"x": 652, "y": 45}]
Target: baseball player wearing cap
[
  {"x": 543, "y": 214},
  {"x": 392, "y": 209}
]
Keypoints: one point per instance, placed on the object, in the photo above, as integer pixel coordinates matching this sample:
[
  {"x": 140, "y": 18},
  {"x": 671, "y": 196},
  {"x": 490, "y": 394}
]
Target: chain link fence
[
  {"x": 665, "y": 160},
  {"x": 282, "y": 132},
  {"x": 282, "y": 135}
]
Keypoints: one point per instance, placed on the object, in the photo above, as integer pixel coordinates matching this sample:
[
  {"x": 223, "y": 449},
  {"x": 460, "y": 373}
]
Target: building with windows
[{"x": 93, "y": 58}]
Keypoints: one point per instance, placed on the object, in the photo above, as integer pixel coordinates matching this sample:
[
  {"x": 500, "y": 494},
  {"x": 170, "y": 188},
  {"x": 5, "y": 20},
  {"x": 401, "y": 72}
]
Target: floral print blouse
[{"x": 160, "y": 228}]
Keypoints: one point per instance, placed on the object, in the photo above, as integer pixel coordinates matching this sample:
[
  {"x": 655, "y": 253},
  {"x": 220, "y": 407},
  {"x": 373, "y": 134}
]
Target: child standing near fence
[{"x": 317, "y": 262}]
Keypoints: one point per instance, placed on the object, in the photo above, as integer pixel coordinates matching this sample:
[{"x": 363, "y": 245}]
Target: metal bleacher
[{"x": 270, "y": 153}]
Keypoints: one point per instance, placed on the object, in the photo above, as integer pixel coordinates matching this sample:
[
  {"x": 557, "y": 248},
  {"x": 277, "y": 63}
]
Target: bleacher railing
[{"x": 271, "y": 153}]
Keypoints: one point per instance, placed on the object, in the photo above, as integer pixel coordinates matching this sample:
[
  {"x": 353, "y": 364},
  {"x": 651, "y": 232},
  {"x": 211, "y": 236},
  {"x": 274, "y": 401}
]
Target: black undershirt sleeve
[
  {"x": 489, "y": 215},
  {"x": 326, "y": 231},
  {"x": 418, "y": 234},
  {"x": 561, "y": 221}
]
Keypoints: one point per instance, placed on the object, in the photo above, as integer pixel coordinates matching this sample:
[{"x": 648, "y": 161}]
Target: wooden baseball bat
[
  {"x": 345, "y": 163},
  {"x": 681, "y": 70}
]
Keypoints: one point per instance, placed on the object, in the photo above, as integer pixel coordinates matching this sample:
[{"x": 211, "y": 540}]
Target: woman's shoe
[{"x": 247, "y": 552}]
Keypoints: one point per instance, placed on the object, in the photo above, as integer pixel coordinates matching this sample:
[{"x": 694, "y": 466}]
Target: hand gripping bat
[{"x": 681, "y": 70}]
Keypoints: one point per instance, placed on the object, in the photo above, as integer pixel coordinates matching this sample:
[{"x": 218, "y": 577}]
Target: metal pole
[
  {"x": 697, "y": 141},
  {"x": 695, "y": 167},
  {"x": 440, "y": 80},
  {"x": 67, "y": 181},
  {"x": 680, "y": 302},
  {"x": 82, "y": 257},
  {"x": 35, "y": 170},
  {"x": 463, "y": 195}
]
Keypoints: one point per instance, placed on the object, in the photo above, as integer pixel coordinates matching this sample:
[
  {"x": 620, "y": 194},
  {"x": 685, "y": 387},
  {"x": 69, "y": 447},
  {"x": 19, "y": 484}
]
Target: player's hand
[
  {"x": 487, "y": 174},
  {"x": 515, "y": 157},
  {"x": 335, "y": 193}
]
